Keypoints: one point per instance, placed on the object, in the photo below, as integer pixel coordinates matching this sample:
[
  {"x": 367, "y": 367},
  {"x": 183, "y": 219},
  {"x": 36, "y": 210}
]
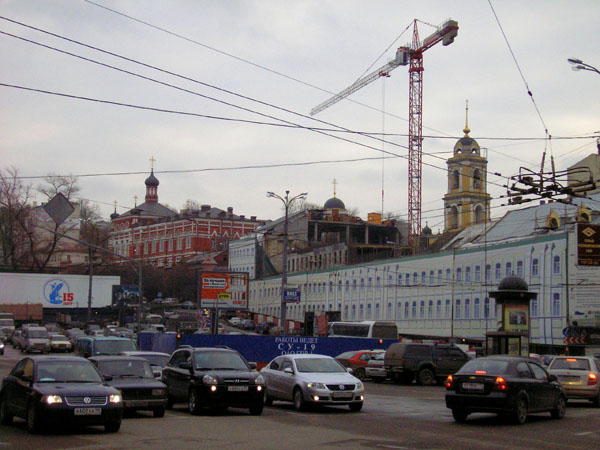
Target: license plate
[
  {"x": 568, "y": 378},
  {"x": 133, "y": 403},
  {"x": 342, "y": 394},
  {"x": 237, "y": 388},
  {"x": 473, "y": 386},
  {"x": 88, "y": 411}
]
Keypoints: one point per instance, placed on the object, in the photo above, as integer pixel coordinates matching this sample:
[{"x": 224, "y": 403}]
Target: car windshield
[
  {"x": 346, "y": 355},
  {"x": 156, "y": 360},
  {"x": 126, "y": 368},
  {"x": 59, "y": 338},
  {"x": 570, "y": 364},
  {"x": 489, "y": 366},
  {"x": 114, "y": 347},
  {"x": 38, "y": 334},
  {"x": 6, "y": 322},
  {"x": 219, "y": 361},
  {"x": 319, "y": 365},
  {"x": 67, "y": 372}
]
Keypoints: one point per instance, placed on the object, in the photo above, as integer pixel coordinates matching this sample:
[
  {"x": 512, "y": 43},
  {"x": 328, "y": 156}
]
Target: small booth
[{"x": 512, "y": 338}]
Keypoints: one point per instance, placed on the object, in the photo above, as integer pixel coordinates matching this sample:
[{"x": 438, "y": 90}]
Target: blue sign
[
  {"x": 291, "y": 295},
  {"x": 57, "y": 292}
]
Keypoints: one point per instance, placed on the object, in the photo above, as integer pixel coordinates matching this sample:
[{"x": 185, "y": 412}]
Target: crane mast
[{"x": 413, "y": 56}]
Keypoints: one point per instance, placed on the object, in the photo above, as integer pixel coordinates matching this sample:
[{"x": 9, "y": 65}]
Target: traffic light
[{"x": 178, "y": 340}]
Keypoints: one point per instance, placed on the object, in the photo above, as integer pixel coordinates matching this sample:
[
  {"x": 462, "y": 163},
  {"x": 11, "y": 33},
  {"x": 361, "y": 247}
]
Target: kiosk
[{"x": 512, "y": 338}]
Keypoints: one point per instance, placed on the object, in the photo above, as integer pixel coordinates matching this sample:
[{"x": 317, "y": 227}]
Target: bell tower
[{"x": 467, "y": 201}]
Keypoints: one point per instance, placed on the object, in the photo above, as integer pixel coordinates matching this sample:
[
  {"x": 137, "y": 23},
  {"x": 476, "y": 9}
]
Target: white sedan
[{"x": 311, "y": 379}]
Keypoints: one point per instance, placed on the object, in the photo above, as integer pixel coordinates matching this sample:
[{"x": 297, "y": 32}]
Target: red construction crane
[{"x": 412, "y": 55}]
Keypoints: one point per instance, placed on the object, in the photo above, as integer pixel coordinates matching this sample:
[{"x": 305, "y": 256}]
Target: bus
[{"x": 365, "y": 329}]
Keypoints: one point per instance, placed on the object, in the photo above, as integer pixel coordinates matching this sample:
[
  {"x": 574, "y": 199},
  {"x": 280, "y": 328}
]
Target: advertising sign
[
  {"x": 516, "y": 318},
  {"x": 224, "y": 290},
  {"x": 588, "y": 244},
  {"x": 291, "y": 295}
]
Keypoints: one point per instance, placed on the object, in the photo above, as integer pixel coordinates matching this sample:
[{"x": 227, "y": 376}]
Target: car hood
[
  {"x": 74, "y": 389},
  {"x": 328, "y": 378},
  {"x": 137, "y": 383},
  {"x": 228, "y": 374}
]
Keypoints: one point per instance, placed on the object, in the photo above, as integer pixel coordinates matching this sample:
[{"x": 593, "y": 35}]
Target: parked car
[
  {"x": 133, "y": 377},
  {"x": 508, "y": 385},
  {"x": 234, "y": 321},
  {"x": 213, "y": 377},
  {"x": 247, "y": 324},
  {"x": 60, "y": 343},
  {"x": 579, "y": 376},
  {"x": 427, "y": 363},
  {"x": 188, "y": 305},
  {"x": 158, "y": 360},
  {"x": 34, "y": 339},
  {"x": 311, "y": 379},
  {"x": 15, "y": 339},
  {"x": 59, "y": 390},
  {"x": 93, "y": 346},
  {"x": 375, "y": 368},
  {"x": 357, "y": 361}
]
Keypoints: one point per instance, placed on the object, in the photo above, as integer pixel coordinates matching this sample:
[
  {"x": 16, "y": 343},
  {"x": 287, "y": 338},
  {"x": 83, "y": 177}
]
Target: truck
[{"x": 7, "y": 325}]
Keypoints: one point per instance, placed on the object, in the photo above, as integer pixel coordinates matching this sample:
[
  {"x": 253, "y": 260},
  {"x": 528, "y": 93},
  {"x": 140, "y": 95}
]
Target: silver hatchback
[
  {"x": 579, "y": 376},
  {"x": 311, "y": 379}
]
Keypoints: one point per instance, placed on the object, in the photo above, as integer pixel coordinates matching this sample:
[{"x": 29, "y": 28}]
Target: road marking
[{"x": 585, "y": 433}]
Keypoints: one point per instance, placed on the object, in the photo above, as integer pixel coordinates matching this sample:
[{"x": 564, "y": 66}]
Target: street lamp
[
  {"x": 287, "y": 202},
  {"x": 580, "y": 65}
]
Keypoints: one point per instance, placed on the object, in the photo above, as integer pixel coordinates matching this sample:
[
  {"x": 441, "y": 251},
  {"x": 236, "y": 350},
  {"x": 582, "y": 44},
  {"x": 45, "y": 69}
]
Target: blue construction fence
[{"x": 262, "y": 349}]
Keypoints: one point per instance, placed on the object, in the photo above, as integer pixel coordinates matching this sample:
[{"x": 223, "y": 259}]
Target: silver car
[
  {"x": 311, "y": 379},
  {"x": 579, "y": 376}
]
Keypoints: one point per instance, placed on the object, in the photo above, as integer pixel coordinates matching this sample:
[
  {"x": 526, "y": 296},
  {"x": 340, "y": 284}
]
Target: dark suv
[
  {"x": 427, "y": 363},
  {"x": 213, "y": 377}
]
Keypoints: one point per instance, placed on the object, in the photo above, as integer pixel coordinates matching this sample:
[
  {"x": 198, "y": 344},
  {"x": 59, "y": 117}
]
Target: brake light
[
  {"x": 450, "y": 382},
  {"x": 571, "y": 359},
  {"x": 480, "y": 372},
  {"x": 500, "y": 384},
  {"x": 592, "y": 379}
]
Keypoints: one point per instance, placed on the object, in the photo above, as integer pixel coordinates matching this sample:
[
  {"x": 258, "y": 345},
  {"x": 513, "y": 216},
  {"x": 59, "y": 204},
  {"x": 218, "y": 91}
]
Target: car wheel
[
  {"x": 460, "y": 415},
  {"x": 193, "y": 405},
  {"x": 299, "y": 403},
  {"x": 378, "y": 379},
  {"x": 112, "y": 427},
  {"x": 268, "y": 399},
  {"x": 256, "y": 409},
  {"x": 560, "y": 408},
  {"x": 158, "y": 412},
  {"x": 360, "y": 373},
  {"x": 355, "y": 407},
  {"x": 33, "y": 419},
  {"x": 519, "y": 414},
  {"x": 596, "y": 400},
  {"x": 5, "y": 416},
  {"x": 425, "y": 377}
]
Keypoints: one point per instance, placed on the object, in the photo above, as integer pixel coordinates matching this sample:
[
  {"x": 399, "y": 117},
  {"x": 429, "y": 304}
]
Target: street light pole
[
  {"x": 287, "y": 202},
  {"x": 580, "y": 65}
]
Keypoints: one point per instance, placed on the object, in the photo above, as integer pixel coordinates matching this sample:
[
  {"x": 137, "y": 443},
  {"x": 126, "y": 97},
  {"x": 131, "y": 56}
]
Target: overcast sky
[{"x": 287, "y": 54}]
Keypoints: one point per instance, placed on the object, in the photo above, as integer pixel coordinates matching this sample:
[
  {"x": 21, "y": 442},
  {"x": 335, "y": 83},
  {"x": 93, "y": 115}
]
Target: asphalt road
[{"x": 394, "y": 417}]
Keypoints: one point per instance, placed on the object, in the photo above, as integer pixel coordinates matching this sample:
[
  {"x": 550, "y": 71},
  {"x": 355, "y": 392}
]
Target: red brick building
[{"x": 163, "y": 237}]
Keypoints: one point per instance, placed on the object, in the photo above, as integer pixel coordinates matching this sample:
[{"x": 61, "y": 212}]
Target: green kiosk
[{"x": 512, "y": 338}]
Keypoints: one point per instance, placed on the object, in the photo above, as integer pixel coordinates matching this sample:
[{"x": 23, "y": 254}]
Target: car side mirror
[
  {"x": 288, "y": 370},
  {"x": 108, "y": 377},
  {"x": 26, "y": 378},
  {"x": 552, "y": 378},
  {"x": 252, "y": 365}
]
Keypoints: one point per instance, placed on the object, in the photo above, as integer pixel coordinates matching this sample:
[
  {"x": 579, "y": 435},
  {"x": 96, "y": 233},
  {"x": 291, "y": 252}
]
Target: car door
[
  {"x": 180, "y": 376},
  {"x": 288, "y": 380},
  {"x": 272, "y": 377},
  {"x": 547, "y": 390},
  {"x": 529, "y": 384},
  {"x": 22, "y": 387},
  {"x": 9, "y": 385}
]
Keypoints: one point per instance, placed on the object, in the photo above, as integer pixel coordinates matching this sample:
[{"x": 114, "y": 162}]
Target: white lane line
[{"x": 585, "y": 433}]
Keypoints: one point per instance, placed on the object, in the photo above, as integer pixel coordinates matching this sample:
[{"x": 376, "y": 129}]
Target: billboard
[
  {"x": 588, "y": 244},
  {"x": 224, "y": 290}
]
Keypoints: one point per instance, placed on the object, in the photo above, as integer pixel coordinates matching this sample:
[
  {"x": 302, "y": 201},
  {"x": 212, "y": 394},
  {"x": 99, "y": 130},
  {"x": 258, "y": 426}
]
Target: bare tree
[
  {"x": 191, "y": 205},
  {"x": 66, "y": 185}
]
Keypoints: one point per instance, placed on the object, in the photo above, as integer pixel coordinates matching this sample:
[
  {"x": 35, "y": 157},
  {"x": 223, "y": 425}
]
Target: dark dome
[
  {"x": 426, "y": 230},
  {"x": 151, "y": 180},
  {"x": 334, "y": 203},
  {"x": 513, "y": 283},
  {"x": 114, "y": 215}
]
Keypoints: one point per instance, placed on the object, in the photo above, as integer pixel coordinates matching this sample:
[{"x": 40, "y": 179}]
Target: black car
[
  {"x": 213, "y": 377},
  {"x": 59, "y": 390},
  {"x": 134, "y": 378},
  {"x": 506, "y": 385}
]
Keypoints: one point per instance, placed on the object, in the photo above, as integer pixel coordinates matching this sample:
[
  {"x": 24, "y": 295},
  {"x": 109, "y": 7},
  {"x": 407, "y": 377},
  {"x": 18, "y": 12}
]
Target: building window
[
  {"x": 448, "y": 311},
  {"x": 556, "y": 265},
  {"x": 188, "y": 243},
  {"x": 369, "y": 311},
  {"x": 476, "y": 179},
  {"x": 439, "y": 275},
  {"x": 377, "y": 311},
  {"x": 488, "y": 273},
  {"x": 509, "y": 270},
  {"x": 486, "y": 308},
  {"x": 414, "y": 310},
  {"x": 535, "y": 267},
  {"x": 476, "y": 308},
  {"x": 459, "y": 275},
  {"x": 430, "y": 310},
  {"x": 438, "y": 309},
  {"x": 400, "y": 279},
  {"x": 498, "y": 271},
  {"x": 422, "y": 310},
  {"x": 415, "y": 279},
  {"x": 423, "y": 278},
  {"x": 448, "y": 276},
  {"x": 347, "y": 286},
  {"x": 389, "y": 311},
  {"x": 354, "y": 284},
  {"x": 406, "y": 310},
  {"x": 431, "y": 278},
  {"x": 455, "y": 179},
  {"x": 162, "y": 245},
  {"x": 467, "y": 274},
  {"x": 520, "y": 268},
  {"x": 467, "y": 308},
  {"x": 407, "y": 279},
  {"x": 556, "y": 304},
  {"x": 360, "y": 311},
  {"x": 534, "y": 308},
  {"x": 457, "y": 309}
]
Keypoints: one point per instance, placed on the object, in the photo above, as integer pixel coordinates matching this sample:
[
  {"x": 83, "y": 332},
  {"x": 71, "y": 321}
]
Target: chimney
[
  {"x": 242, "y": 217},
  {"x": 253, "y": 218},
  {"x": 230, "y": 210}
]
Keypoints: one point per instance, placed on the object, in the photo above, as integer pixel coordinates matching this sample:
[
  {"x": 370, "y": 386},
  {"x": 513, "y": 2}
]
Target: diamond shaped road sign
[{"x": 59, "y": 208}]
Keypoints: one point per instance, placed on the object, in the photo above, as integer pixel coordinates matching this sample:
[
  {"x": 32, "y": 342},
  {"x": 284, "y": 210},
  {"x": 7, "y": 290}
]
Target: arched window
[
  {"x": 455, "y": 179},
  {"x": 476, "y": 179},
  {"x": 479, "y": 216},
  {"x": 453, "y": 218}
]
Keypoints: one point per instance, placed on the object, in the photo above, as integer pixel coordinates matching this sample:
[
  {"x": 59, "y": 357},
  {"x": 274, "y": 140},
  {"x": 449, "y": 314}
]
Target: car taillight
[
  {"x": 500, "y": 384},
  {"x": 592, "y": 379},
  {"x": 450, "y": 383}
]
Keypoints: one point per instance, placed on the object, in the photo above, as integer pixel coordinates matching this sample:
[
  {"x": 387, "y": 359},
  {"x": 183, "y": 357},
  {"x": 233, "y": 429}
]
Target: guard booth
[{"x": 512, "y": 338}]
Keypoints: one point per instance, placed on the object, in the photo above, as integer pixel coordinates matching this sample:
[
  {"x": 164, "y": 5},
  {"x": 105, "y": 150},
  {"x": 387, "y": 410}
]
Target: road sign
[
  {"x": 566, "y": 332},
  {"x": 291, "y": 295}
]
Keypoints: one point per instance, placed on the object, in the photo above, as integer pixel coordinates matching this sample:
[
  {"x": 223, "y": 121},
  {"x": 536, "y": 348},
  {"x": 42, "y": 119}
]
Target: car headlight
[
  {"x": 52, "y": 399},
  {"x": 316, "y": 386},
  {"x": 115, "y": 398},
  {"x": 208, "y": 379},
  {"x": 359, "y": 385},
  {"x": 158, "y": 392},
  {"x": 259, "y": 380}
]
